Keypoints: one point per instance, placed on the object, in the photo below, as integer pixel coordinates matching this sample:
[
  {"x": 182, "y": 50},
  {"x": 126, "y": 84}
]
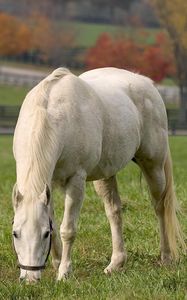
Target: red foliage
[
  {"x": 109, "y": 52},
  {"x": 154, "y": 61},
  {"x": 97, "y": 56},
  {"x": 158, "y": 59}
]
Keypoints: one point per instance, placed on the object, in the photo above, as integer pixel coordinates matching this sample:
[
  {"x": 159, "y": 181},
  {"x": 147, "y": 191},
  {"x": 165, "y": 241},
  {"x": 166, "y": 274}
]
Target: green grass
[
  {"x": 168, "y": 82},
  {"x": 141, "y": 278},
  {"x": 12, "y": 95},
  {"x": 87, "y": 33}
]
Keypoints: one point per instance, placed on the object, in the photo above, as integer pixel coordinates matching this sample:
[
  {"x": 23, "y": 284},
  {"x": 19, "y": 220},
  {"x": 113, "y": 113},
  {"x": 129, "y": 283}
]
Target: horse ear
[
  {"x": 45, "y": 195},
  {"x": 17, "y": 197}
]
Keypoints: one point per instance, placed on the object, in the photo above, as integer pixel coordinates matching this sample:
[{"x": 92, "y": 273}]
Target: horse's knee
[
  {"x": 113, "y": 212},
  {"x": 67, "y": 234}
]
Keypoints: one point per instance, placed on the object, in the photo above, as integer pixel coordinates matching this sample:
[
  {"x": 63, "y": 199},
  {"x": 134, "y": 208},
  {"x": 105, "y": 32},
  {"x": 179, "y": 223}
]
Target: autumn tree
[
  {"x": 151, "y": 60},
  {"x": 173, "y": 16},
  {"x": 42, "y": 35},
  {"x": 157, "y": 59},
  {"x": 15, "y": 35},
  {"x": 110, "y": 52},
  {"x": 48, "y": 40}
]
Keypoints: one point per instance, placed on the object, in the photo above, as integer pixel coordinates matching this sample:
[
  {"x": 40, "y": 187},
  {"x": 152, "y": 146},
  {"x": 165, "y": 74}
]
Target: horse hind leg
[
  {"x": 160, "y": 181},
  {"x": 107, "y": 190}
]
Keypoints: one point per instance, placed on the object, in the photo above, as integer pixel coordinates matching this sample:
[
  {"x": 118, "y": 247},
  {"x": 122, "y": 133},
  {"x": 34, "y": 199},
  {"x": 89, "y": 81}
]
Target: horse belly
[
  {"x": 121, "y": 134},
  {"x": 119, "y": 147}
]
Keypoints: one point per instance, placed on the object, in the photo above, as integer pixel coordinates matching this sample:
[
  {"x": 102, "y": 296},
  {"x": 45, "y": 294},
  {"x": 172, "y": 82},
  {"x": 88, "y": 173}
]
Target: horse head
[{"x": 32, "y": 230}]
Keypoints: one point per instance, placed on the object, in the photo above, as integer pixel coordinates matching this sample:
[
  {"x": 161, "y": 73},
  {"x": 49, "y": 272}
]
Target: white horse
[{"x": 88, "y": 128}]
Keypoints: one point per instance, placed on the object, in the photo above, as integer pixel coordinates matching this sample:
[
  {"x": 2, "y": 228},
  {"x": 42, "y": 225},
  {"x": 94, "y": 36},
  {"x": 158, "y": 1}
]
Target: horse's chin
[{"x": 30, "y": 277}]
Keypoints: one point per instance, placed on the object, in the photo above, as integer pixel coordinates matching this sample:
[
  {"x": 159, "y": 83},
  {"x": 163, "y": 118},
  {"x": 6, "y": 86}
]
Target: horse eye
[
  {"x": 46, "y": 234},
  {"x": 15, "y": 234}
]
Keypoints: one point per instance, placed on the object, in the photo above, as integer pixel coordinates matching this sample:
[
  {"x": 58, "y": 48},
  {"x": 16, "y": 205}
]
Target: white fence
[
  {"x": 24, "y": 77},
  {"x": 20, "y": 77}
]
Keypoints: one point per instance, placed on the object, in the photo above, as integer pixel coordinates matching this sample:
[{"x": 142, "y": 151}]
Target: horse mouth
[{"x": 29, "y": 280}]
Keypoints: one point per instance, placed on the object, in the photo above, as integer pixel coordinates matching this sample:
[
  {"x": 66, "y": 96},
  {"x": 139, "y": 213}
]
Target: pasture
[
  {"x": 6, "y": 93},
  {"x": 142, "y": 277},
  {"x": 88, "y": 33}
]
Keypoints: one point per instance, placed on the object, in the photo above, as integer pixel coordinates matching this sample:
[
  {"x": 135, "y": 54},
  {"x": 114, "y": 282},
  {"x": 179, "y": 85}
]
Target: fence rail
[
  {"x": 9, "y": 116},
  {"x": 27, "y": 77},
  {"x": 20, "y": 79}
]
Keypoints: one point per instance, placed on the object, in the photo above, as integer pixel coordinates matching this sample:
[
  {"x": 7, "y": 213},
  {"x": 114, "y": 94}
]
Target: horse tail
[{"x": 172, "y": 226}]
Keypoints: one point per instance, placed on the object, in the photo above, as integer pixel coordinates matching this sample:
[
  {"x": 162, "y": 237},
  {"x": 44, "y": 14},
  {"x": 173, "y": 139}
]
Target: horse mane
[{"x": 43, "y": 142}]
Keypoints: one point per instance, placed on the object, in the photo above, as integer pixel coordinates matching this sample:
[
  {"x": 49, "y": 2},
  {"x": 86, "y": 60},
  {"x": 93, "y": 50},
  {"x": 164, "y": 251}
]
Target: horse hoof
[
  {"x": 166, "y": 259},
  {"x": 63, "y": 276},
  {"x": 108, "y": 271},
  {"x": 64, "y": 272},
  {"x": 116, "y": 264},
  {"x": 113, "y": 268}
]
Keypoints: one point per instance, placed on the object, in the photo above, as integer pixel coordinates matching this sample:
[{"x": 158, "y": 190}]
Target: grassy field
[
  {"x": 87, "y": 33},
  {"x": 142, "y": 277},
  {"x": 12, "y": 95}
]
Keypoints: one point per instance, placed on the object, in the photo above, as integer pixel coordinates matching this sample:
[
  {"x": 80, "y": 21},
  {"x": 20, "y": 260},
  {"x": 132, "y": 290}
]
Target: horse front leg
[{"x": 74, "y": 194}]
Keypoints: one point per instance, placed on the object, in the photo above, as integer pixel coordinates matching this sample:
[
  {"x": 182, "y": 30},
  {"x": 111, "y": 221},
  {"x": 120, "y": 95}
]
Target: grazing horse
[{"x": 87, "y": 128}]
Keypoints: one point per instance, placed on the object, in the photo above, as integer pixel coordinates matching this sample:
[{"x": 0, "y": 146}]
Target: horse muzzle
[{"x": 29, "y": 276}]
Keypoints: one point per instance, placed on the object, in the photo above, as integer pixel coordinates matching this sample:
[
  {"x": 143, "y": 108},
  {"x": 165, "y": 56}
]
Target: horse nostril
[{"x": 36, "y": 278}]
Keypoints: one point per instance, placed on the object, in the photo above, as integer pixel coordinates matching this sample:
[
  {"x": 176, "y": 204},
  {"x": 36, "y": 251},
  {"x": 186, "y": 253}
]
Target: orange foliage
[
  {"x": 37, "y": 35},
  {"x": 14, "y": 35},
  {"x": 47, "y": 39},
  {"x": 42, "y": 34}
]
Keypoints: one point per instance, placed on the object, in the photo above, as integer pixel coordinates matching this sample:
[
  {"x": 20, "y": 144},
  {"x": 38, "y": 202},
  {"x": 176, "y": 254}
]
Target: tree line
[{"x": 37, "y": 36}]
